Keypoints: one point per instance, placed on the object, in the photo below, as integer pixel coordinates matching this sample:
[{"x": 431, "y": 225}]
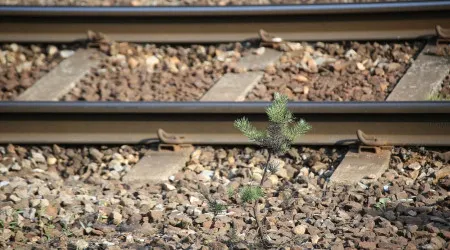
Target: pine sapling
[
  {"x": 214, "y": 206},
  {"x": 281, "y": 131}
]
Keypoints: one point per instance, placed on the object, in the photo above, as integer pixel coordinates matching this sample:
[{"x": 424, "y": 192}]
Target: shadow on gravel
[{"x": 424, "y": 220}]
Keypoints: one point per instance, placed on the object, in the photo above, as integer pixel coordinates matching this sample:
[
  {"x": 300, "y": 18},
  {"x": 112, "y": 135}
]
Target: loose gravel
[
  {"x": 48, "y": 200},
  {"x": 147, "y": 72},
  {"x": 444, "y": 93},
  {"x": 22, "y": 65},
  {"x": 349, "y": 71},
  {"x": 177, "y": 2}
]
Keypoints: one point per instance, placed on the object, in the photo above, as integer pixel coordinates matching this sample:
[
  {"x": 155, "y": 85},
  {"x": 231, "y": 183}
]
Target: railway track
[
  {"x": 381, "y": 21},
  {"x": 405, "y": 118},
  {"x": 390, "y": 123}
]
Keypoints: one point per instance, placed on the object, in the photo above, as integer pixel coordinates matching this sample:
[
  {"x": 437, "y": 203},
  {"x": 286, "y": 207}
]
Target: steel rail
[
  {"x": 390, "y": 123},
  {"x": 382, "y": 21},
  {"x": 176, "y": 11}
]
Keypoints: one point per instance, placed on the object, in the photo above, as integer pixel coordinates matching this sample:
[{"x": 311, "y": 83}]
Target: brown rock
[
  {"x": 446, "y": 234},
  {"x": 410, "y": 246},
  {"x": 442, "y": 173},
  {"x": 156, "y": 215},
  {"x": 319, "y": 166},
  {"x": 337, "y": 246},
  {"x": 353, "y": 206},
  {"x": 367, "y": 245},
  {"x": 51, "y": 211}
]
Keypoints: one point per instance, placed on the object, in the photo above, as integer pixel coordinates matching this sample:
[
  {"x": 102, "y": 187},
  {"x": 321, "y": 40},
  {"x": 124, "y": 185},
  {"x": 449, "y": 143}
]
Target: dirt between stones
[
  {"x": 48, "y": 201},
  {"x": 22, "y": 65}
]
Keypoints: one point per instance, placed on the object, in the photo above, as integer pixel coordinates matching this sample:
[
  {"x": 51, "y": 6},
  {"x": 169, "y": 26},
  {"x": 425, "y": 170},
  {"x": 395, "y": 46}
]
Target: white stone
[
  {"x": 16, "y": 167},
  {"x": 414, "y": 166},
  {"x": 66, "y": 53},
  {"x": 169, "y": 187},
  {"x": 117, "y": 218},
  {"x": 14, "y": 198},
  {"x": 118, "y": 157},
  {"x": 38, "y": 157},
  {"x": 260, "y": 51},
  {"x": 14, "y": 47},
  {"x": 51, "y": 160},
  {"x": 299, "y": 230},
  {"x": 82, "y": 244},
  {"x": 52, "y": 50},
  {"x": 152, "y": 61}
]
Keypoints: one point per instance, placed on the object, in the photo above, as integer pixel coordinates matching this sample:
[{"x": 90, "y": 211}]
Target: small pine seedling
[
  {"x": 277, "y": 138},
  {"x": 216, "y": 208},
  {"x": 282, "y": 129},
  {"x": 280, "y": 133}
]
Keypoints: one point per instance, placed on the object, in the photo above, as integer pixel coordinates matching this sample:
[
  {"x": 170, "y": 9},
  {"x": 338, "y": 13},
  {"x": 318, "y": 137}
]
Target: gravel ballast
[
  {"x": 178, "y": 2},
  {"x": 22, "y": 65},
  {"x": 69, "y": 197},
  {"x": 147, "y": 72},
  {"x": 349, "y": 71}
]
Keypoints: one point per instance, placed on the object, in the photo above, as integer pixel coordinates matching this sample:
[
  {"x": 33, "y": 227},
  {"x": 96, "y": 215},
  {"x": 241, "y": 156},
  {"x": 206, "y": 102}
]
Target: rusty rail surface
[
  {"x": 374, "y": 21},
  {"x": 393, "y": 123}
]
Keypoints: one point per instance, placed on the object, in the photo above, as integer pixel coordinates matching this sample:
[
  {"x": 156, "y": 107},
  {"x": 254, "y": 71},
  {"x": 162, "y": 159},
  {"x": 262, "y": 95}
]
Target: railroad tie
[
  {"x": 361, "y": 165},
  {"x": 235, "y": 87},
  {"x": 157, "y": 166},
  {"x": 423, "y": 79},
  {"x": 63, "y": 78},
  {"x": 420, "y": 82}
]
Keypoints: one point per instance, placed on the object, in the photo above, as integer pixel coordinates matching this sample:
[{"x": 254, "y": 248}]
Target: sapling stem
[{"x": 265, "y": 169}]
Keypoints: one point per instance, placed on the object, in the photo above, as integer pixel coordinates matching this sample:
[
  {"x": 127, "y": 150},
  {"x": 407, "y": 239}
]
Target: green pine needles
[
  {"x": 250, "y": 194},
  {"x": 282, "y": 129},
  {"x": 216, "y": 208}
]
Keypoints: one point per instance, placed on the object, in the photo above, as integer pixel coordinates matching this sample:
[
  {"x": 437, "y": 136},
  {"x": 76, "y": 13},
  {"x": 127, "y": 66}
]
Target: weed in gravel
[
  {"x": 282, "y": 130},
  {"x": 437, "y": 97},
  {"x": 277, "y": 138},
  {"x": 214, "y": 206},
  {"x": 381, "y": 204}
]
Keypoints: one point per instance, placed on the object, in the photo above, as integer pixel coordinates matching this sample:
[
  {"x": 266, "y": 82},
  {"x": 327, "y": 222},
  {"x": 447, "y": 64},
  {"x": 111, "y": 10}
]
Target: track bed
[
  {"x": 22, "y": 65},
  {"x": 349, "y": 71},
  {"x": 70, "y": 196},
  {"x": 346, "y": 71},
  {"x": 149, "y": 72}
]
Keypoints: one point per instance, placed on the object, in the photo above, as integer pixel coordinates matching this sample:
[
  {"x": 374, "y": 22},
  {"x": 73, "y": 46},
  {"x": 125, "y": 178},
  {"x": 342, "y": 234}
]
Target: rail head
[
  {"x": 245, "y": 10},
  {"x": 417, "y": 107}
]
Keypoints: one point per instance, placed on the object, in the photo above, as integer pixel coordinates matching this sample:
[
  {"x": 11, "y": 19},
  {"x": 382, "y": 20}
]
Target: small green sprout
[
  {"x": 273, "y": 167},
  {"x": 437, "y": 97},
  {"x": 381, "y": 204},
  {"x": 215, "y": 207},
  {"x": 251, "y": 193},
  {"x": 230, "y": 192}
]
